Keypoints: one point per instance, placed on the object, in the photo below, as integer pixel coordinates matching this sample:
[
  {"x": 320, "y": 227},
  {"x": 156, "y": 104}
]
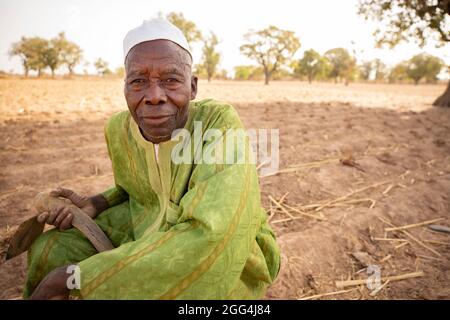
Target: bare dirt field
[{"x": 332, "y": 217}]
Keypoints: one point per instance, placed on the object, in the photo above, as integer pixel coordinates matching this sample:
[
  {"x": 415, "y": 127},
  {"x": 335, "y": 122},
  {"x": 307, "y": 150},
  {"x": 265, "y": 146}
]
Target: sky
[{"x": 98, "y": 26}]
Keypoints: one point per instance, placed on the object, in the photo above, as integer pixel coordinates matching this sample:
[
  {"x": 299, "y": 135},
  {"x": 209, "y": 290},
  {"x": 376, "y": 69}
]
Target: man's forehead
[
  {"x": 157, "y": 64},
  {"x": 163, "y": 51}
]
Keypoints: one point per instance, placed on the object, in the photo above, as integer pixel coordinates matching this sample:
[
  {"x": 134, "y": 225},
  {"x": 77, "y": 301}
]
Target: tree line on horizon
[
  {"x": 40, "y": 54},
  {"x": 273, "y": 50},
  {"x": 274, "y": 63},
  {"x": 339, "y": 65}
]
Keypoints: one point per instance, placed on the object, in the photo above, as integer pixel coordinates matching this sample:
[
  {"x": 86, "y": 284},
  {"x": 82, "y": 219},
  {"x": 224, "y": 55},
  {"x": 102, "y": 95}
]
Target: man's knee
[
  {"x": 55, "y": 248},
  {"x": 41, "y": 244}
]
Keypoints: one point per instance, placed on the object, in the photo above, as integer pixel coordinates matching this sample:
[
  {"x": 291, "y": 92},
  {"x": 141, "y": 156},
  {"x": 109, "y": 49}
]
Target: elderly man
[{"x": 190, "y": 230}]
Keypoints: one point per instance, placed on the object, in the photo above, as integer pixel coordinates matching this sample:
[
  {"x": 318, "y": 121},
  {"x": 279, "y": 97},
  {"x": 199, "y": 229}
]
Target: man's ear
[{"x": 194, "y": 81}]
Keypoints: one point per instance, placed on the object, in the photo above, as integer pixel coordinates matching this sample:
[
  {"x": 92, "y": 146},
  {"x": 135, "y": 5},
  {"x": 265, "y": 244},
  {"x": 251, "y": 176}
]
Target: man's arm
[{"x": 110, "y": 198}]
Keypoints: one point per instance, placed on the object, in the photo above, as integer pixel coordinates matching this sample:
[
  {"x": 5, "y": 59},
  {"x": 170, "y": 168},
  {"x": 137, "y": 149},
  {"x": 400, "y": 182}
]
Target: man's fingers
[
  {"x": 61, "y": 192},
  {"x": 67, "y": 222},
  {"x": 69, "y": 194},
  {"x": 61, "y": 216},
  {"x": 42, "y": 217},
  {"x": 56, "y": 192},
  {"x": 53, "y": 214}
]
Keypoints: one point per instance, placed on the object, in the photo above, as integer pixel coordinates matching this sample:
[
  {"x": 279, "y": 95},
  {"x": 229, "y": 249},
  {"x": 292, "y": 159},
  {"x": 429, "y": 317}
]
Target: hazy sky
[{"x": 99, "y": 26}]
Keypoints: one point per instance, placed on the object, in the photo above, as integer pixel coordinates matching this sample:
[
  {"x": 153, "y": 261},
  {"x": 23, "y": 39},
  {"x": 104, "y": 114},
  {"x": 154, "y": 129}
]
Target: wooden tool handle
[{"x": 45, "y": 202}]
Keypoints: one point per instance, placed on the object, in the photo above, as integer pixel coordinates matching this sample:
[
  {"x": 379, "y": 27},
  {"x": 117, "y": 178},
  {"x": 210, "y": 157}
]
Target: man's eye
[
  {"x": 137, "y": 81},
  {"x": 171, "y": 80}
]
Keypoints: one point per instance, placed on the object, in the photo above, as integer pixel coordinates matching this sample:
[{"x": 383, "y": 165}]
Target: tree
[
  {"x": 120, "y": 71},
  {"x": 32, "y": 52},
  {"x": 39, "y": 48},
  {"x": 311, "y": 65},
  {"x": 189, "y": 29},
  {"x": 51, "y": 57},
  {"x": 199, "y": 70},
  {"x": 24, "y": 52},
  {"x": 70, "y": 54},
  {"x": 424, "y": 66},
  {"x": 271, "y": 48},
  {"x": 222, "y": 74},
  {"x": 282, "y": 73},
  {"x": 342, "y": 64},
  {"x": 37, "y": 53},
  {"x": 86, "y": 67},
  {"x": 210, "y": 57},
  {"x": 248, "y": 73},
  {"x": 102, "y": 67},
  {"x": 380, "y": 70},
  {"x": 365, "y": 70},
  {"x": 398, "y": 73},
  {"x": 404, "y": 20}
]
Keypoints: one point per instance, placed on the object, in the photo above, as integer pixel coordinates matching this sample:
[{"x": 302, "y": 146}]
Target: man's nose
[{"x": 155, "y": 95}]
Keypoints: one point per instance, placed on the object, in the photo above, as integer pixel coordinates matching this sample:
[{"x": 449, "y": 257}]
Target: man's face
[{"x": 158, "y": 87}]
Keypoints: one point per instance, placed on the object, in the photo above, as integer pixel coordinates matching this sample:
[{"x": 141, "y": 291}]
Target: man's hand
[
  {"x": 53, "y": 286},
  {"x": 61, "y": 217}
]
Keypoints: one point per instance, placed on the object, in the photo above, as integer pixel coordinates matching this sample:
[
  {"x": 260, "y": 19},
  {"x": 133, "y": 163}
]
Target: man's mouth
[{"x": 155, "y": 120}]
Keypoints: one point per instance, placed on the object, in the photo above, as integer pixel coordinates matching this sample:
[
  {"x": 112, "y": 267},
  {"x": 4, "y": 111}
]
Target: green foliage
[
  {"x": 38, "y": 53},
  {"x": 271, "y": 48},
  {"x": 282, "y": 74},
  {"x": 343, "y": 65},
  {"x": 120, "y": 72},
  {"x": 222, "y": 74},
  {"x": 31, "y": 51},
  {"x": 199, "y": 71},
  {"x": 70, "y": 54},
  {"x": 102, "y": 67},
  {"x": 51, "y": 57},
  {"x": 312, "y": 65},
  {"x": 189, "y": 29},
  {"x": 375, "y": 67},
  {"x": 39, "y": 48},
  {"x": 403, "y": 20},
  {"x": 248, "y": 73},
  {"x": 424, "y": 66},
  {"x": 21, "y": 50},
  {"x": 210, "y": 57},
  {"x": 381, "y": 70},
  {"x": 365, "y": 70},
  {"x": 398, "y": 73}
]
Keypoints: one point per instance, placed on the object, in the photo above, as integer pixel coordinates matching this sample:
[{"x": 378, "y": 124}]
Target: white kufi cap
[{"x": 154, "y": 29}]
